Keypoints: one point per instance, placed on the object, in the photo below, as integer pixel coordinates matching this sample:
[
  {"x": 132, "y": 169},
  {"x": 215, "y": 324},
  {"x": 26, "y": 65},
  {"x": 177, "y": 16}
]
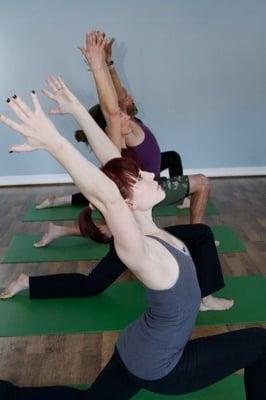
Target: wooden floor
[{"x": 71, "y": 359}]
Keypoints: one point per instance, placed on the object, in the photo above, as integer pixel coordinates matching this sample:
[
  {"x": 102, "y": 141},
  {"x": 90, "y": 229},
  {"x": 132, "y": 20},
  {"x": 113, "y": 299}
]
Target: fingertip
[
  {"x": 33, "y": 92},
  {"x": 8, "y": 100}
]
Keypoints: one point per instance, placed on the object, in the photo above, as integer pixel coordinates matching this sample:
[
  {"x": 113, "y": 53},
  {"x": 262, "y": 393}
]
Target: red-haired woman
[
  {"x": 155, "y": 352},
  {"x": 198, "y": 237}
]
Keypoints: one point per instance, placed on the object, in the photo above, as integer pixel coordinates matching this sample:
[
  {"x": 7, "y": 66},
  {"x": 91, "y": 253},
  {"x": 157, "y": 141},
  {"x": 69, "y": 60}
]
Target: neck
[{"x": 145, "y": 222}]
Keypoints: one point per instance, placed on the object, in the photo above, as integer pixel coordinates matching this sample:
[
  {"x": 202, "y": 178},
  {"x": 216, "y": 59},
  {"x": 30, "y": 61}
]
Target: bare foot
[
  {"x": 53, "y": 201},
  {"x": 210, "y": 302},
  {"x": 49, "y": 202},
  {"x": 19, "y": 284},
  {"x": 54, "y": 232},
  {"x": 185, "y": 204},
  {"x": 217, "y": 243}
]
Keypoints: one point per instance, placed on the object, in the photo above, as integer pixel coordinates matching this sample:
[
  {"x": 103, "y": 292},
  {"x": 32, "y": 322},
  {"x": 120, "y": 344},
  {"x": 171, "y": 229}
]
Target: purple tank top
[{"x": 147, "y": 153}]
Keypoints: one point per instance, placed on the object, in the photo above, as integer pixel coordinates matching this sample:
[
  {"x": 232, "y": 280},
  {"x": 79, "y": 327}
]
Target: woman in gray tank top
[{"x": 155, "y": 352}]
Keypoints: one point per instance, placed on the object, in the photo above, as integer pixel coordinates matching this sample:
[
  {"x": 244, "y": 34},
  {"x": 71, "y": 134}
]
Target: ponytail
[{"x": 88, "y": 228}]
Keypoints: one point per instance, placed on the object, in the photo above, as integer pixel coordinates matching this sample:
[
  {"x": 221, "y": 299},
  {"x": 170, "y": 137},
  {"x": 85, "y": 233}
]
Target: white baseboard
[
  {"x": 227, "y": 172},
  {"x": 224, "y": 172},
  {"x": 50, "y": 179},
  {"x": 23, "y": 180}
]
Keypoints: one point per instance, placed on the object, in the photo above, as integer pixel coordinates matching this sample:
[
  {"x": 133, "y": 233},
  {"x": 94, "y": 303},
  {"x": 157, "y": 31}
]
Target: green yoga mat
[
  {"x": 21, "y": 249},
  {"x": 229, "y": 241},
  {"x": 117, "y": 307},
  {"x": 231, "y": 388},
  {"x": 172, "y": 210},
  {"x": 66, "y": 213}
]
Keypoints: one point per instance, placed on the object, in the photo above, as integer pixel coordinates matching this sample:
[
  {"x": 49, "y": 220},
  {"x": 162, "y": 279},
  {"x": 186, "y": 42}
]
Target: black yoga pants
[
  {"x": 171, "y": 160},
  {"x": 198, "y": 238},
  {"x": 204, "y": 361}
]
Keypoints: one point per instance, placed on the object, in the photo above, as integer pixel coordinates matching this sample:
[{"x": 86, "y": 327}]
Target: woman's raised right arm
[{"x": 40, "y": 133}]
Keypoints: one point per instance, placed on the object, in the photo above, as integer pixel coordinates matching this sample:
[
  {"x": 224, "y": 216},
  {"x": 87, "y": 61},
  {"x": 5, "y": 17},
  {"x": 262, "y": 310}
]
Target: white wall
[{"x": 197, "y": 69}]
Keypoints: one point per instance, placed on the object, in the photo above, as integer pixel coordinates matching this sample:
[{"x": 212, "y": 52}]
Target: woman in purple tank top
[
  {"x": 167, "y": 361},
  {"x": 135, "y": 140}
]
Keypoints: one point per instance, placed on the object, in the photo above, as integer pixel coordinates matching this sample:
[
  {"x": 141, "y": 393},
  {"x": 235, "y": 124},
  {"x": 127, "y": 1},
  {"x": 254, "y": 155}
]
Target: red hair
[{"x": 124, "y": 172}]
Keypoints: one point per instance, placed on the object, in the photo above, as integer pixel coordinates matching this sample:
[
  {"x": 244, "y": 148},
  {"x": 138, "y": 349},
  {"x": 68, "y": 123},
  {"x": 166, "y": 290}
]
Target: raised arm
[
  {"x": 99, "y": 142},
  {"x": 125, "y": 101},
  {"x": 40, "y": 133},
  {"x": 95, "y": 55},
  {"x": 120, "y": 90}
]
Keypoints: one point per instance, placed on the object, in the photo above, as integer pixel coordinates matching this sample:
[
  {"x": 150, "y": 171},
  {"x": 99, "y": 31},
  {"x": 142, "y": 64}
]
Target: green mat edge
[
  {"x": 32, "y": 210},
  {"x": 6, "y": 257}
]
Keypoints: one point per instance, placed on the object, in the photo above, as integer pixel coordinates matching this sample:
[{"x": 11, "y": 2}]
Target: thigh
[
  {"x": 112, "y": 383},
  {"x": 200, "y": 241},
  {"x": 191, "y": 234},
  {"x": 210, "y": 359},
  {"x": 171, "y": 160},
  {"x": 76, "y": 285}
]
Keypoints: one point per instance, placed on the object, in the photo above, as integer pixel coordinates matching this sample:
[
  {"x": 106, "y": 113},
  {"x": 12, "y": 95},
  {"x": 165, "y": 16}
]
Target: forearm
[
  {"x": 120, "y": 90},
  {"x": 99, "y": 142},
  {"x": 106, "y": 92},
  {"x": 95, "y": 186}
]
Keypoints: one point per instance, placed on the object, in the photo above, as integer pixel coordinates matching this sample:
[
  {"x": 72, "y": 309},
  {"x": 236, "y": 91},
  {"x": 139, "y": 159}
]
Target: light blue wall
[{"x": 197, "y": 69}]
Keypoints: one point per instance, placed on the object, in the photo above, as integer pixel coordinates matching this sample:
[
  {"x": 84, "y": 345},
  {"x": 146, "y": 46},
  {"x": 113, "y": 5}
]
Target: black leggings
[
  {"x": 204, "y": 362},
  {"x": 170, "y": 160},
  {"x": 198, "y": 238}
]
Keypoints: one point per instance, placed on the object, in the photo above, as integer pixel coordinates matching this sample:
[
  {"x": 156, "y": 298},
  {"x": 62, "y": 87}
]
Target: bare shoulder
[{"x": 157, "y": 268}]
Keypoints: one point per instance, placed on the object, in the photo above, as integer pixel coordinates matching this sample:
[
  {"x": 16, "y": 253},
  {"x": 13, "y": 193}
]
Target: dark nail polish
[
  {"x": 8, "y": 100},
  {"x": 15, "y": 96},
  {"x": 33, "y": 91},
  {"x": 11, "y": 151}
]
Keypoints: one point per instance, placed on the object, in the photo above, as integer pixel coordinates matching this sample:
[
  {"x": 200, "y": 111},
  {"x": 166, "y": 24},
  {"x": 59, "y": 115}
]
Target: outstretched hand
[
  {"x": 66, "y": 101},
  {"x": 94, "y": 50},
  {"x": 35, "y": 126}
]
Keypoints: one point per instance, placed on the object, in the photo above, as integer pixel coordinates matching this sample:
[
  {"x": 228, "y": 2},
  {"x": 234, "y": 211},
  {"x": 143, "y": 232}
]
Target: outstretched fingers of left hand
[
  {"x": 11, "y": 124},
  {"x": 35, "y": 101},
  {"x": 49, "y": 94},
  {"x": 55, "y": 81},
  {"x": 14, "y": 105},
  {"x": 23, "y": 106},
  {"x": 62, "y": 83},
  {"x": 51, "y": 83},
  {"x": 25, "y": 147}
]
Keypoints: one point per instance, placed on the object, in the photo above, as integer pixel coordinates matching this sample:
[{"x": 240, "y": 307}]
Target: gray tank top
[{"x": 151, "y": 346}]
